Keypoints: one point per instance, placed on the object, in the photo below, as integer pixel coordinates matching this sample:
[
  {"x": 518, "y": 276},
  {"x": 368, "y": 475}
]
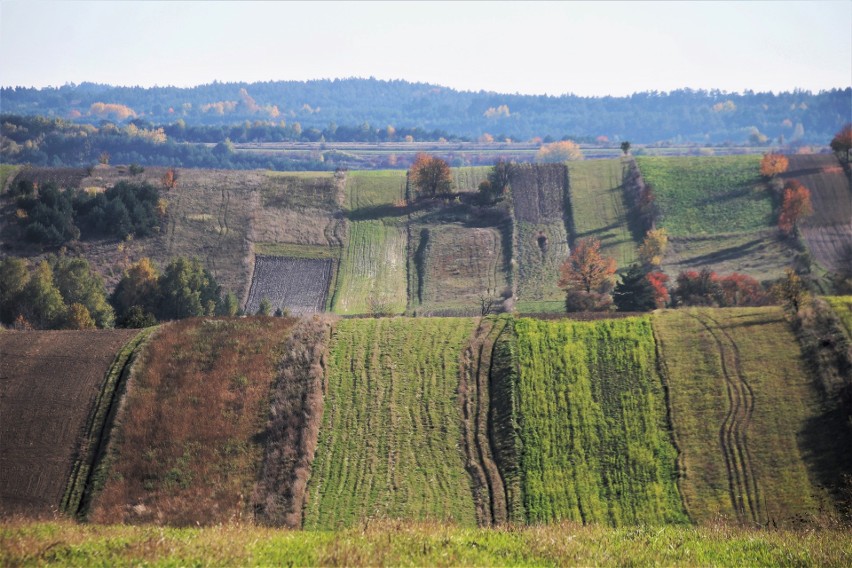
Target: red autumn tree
[
  {"x": 430, "y": 176},
  {"x": 796, "y": 205},
  {"x": 170, "y": 179},
  {"x": 773, "y": 164},
  {"x": 742, "y": 290},
  {"x": 587, "y": 269},
  {"x": 842, "y": 142},
  {"x": 658, "y": 282}
]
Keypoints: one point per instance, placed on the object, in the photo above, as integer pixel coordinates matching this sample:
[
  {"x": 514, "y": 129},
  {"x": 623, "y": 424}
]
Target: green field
[
  {"x": 538, "y": 265},
  {"x": 7, "y": 174},
  {"x": 390, "y": 441},
  {"x": 596, "y": 445},
  {"x": 599, "y": 209},
  {"x": 405, "y": 544},
  {"x": 708, "y": 195},
  {"x": 372, "y": 272},
  {"x": 366, "y": 189},
  {"x": 744, "y": 414},
  {"x": 842, "y": 306},
  {"x": 468, "y": 179}
]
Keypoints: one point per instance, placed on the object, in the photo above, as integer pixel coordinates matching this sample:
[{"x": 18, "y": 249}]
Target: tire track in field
[
  {"x": 742, "y": 482},
  {"x": 488, "y": 485}
]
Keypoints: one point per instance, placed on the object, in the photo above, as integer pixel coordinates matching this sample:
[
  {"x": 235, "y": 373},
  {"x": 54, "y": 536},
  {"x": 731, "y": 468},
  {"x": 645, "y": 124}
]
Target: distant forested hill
[{"x": 368, "y": 105}]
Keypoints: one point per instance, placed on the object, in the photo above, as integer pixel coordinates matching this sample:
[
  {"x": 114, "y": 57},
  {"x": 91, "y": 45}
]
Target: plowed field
[
  {"x": 828, "y": 232},
  {"x": 299, "y": 285},
  {"x": 49, "y": 381}
]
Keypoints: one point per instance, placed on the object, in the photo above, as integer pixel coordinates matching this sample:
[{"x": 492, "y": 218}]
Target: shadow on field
[
  {"x": 731, "y": 253},
  {"x": 824, "y": 445},
  {"x": 731, "y": 195}
]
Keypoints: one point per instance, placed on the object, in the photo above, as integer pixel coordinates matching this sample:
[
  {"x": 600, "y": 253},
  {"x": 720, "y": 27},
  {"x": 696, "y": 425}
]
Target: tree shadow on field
[
  {"x": 730, "y": 253},
  {"x": 746, "y": 191},
  {"x": 825, "y": 449},
  {"x": 386, "y": 210}
]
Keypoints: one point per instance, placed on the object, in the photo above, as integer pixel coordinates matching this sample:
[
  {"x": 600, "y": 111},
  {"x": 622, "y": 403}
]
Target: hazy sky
[{"x": 549, "y": 47}]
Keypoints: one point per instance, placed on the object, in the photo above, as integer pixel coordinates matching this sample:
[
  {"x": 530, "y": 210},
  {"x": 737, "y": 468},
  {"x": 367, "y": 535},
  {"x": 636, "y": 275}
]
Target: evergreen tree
[{"x": 634, "y": 293}]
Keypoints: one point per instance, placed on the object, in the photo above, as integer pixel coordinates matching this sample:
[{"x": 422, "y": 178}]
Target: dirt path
[
  {"x": 733, "y": 434},
  {"x": 488, "y": 485}
]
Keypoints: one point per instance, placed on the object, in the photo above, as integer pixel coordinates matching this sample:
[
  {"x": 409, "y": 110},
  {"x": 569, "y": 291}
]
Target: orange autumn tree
[
  {"x": 796, "y": 205},
  {"x": 430, "y": 176},
  {"x": 587, "y": 277},
  {"x": 841, "y": 144},
  {"x": 773, "y": 164},
  {"x": 170, "y": 179}
]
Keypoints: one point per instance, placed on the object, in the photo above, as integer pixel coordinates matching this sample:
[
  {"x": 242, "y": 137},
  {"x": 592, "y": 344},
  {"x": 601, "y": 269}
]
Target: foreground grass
[
  {"x": 708, "y": 195},
  {"x": 401, "y": 544},
  {"x": 390, "y": 441}
]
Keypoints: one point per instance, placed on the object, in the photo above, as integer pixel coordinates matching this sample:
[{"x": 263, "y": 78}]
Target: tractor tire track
[{"x": 742, "y": 482}]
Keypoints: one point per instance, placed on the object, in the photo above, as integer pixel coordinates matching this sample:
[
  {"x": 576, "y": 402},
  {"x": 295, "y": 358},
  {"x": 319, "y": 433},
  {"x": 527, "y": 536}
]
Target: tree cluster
[{"x": 706, "y": 288}]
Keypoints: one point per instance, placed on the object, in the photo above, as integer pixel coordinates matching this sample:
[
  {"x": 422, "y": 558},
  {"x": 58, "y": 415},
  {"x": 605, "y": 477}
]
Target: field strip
[{"x": 733, "y": 435}]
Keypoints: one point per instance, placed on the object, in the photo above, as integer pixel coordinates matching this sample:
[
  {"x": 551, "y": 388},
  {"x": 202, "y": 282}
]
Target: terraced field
[
  {"x": 188, "y": 445},
  {"x": 51, "y": 384},
  {"x": 373, "y": 270},
  {"x": 743, "y": 410},
  {"x": 454, "y": 265},
  {"x": 828, "y": 232},
  {"x": 390, "y": 442},
  {"x": 599, "y": 209},
  {"x": 593, "y": 429},
  {"x": 298, "y": 285}
]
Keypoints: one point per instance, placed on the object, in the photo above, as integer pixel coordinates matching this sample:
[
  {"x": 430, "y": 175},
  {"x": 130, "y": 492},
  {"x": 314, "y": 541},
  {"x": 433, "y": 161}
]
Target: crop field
[
  {"x": 419, "y": 544},
  {"x": 454, "y": 265},
  {"x": 303, "y": 190},
  {"x": 828, "y": 232},
  {"x": 593, "y": 428},
  {"x": 758, "y": 254},
  {"x": 390, "y": 441},
  {"x": 708, "y": 195},
  {"x": 468, "y": 179},
  {"x": 745, "y": 415},
  {"x": 50, "y": 383},
  {"x": 538, "y": 192},
  {"x": 599, "y": 209},
  {"x": 187, "y": 449},
  {"x": 373, "y": 270},
  {"x": 541, "y": 248},
  {"x": 842, "y": 306},
  {"x": 7, "y": 174},
  {"x": 299, "y": 285},
  {"x": 369, "y": 189}
]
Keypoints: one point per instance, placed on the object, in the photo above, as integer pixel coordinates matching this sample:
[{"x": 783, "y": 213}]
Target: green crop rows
[
  {"x": 708, "y": 195},
  {"x": 366, "y": 189},
  {"x": 390, "y": 442},
  {"x": 596, "y": 447},
  {"x": 598, "y": 207}
]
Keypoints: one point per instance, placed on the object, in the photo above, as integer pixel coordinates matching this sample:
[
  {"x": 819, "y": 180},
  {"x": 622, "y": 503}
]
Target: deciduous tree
[
  {"x": 625, "y": 147},
  {"x": 772, "y": 165},
  {"x": 430, "y": 176},
  {"x": 842, "y": 142},
  {"x": 559, "y": 152},
  {"x": 697, "y": 288},
  {"x": 170, "y": 179},
  {"x": 795, "y": 206},
  {"x": 586, "y": 269},
  {"x": 741, "y": 290},
  {"x": 653, "y": 248}
]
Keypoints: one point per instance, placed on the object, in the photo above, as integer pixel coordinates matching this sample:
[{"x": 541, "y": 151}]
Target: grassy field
[
  {"x": 7, "y": 174},
  {"x": 372, "y": 271},
  {"x": 404, "y": 544},
  {"x": 541, "y": 248},
  {"x": 599, "y": 209},
  {"x": 390, "y": 441},
  {"x": 366, "y": 189},
  {"x": 596, "y": 444},
  {"x": 745, "y": 415},
  {"x": 708, "y": 195},
  {"x": 759, "y": 254},
  {"x": 842, "y": 306},
  {"x": 187, "y": 447},
  {"x": 468, "y": 179}
]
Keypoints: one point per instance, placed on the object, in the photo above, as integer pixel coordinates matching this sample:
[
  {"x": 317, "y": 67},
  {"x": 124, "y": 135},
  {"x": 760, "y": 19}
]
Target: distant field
[
  {"x": 842, "y": 306},
  {"x": 594, "y": 436},
  {"x": 372, "y": 271},
  {"x": 389, "y": 445},
  {"x": 468, "y": 179},
  {"x": 454, "y": 265},
  {"x": 599, "y": 209},
  {"x": 745, "y": 415},
  {"x": 423, "y": 544},
  {"x": 759, "y": 254},
  {"x": 7, "y": 174},
  {"x": 298, "y": 285},
  {"x": 51, "y": 383},
  {"x": 708, "y": 195},
  {"x": 365, "y": 189},
  {"x": 188, "y": 446},
  {"x": 541, "y": 249},
  {"x": 828, "y": 232}
]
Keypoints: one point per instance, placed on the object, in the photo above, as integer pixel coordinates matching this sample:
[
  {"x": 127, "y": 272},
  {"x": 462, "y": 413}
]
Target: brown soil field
[
  {"x": 187, "y": 442},
  {"x": 538, "y": 191},
  {"x": 300, "y": 285},
  {"x": 49, "y": 381},
  {"x": 828, "y": 232}
]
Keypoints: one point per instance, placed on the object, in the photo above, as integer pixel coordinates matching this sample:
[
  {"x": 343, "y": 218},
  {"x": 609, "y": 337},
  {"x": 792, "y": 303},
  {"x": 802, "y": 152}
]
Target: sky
[{"x": 584, "y": 48}]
